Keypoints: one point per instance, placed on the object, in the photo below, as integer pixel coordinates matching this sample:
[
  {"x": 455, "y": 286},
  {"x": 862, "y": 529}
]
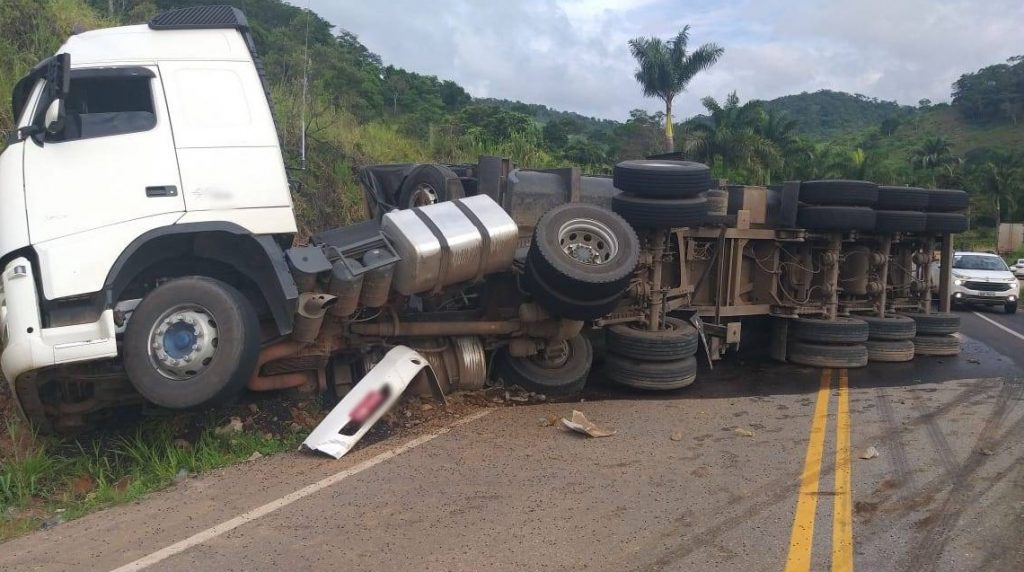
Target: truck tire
[
  {"x": 947, "y": 200},
  {"x": 826, "y": 355},
  {"x": 945, "y": 345},
  {"x": 562, "y": 306},
  {"x": 429, "y": 184},
  {"x": 190, "y": 342},
  {"x": 564, "y": 376},
  {"x": 678, "y": 340},
  {"x": 890, "y": 351},
  {"x": 946, "y": 222},
  {"x": 890, "y": 328},
  {"x": 900, "y": 221},
  {"x": 837, "y": 331},
  {"x": 662, "y": 179},
  {"x": 660, "y": 213},
  {"x": 902, "y": 199},
  {"x": 837, "y": 219},
  {"x": 650, "y": 375},
  {"x": 584, "y": 252},
  {"x": 839, "y": 193},
  {"x": 936, "y": 323}
]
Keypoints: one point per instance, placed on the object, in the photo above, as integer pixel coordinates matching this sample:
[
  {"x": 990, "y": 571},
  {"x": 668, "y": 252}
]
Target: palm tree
[
  {"x": 1003, "y": 185},
  {"x": 730, "y": 138},
  {"x": 777, "y": 127},
  {"x": 665, "y": 68},
  {"x": 934, "y": 153}
]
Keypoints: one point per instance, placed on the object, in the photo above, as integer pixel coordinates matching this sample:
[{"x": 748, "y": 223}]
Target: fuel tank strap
[
  {"x": 442, "y": 272},
  {"x": 485, "y": 235}
]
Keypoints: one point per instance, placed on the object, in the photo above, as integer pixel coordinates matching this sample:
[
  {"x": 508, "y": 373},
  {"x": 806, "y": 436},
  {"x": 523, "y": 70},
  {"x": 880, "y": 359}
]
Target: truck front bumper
[{"x": 27, "y": 346}]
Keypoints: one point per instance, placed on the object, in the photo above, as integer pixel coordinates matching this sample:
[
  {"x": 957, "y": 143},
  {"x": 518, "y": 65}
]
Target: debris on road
[
  {"x": 255, "y": 455},
  {"x": 233, "y": 426},
  {"x": 743, "y": 432},
  {"x": 987, "y": 452},
  {"x": 676, "y": 436},
  {"x": 549, "y": 421},
  {"x": 869, "y": 453},
  {"x": 580, "y": 424}
]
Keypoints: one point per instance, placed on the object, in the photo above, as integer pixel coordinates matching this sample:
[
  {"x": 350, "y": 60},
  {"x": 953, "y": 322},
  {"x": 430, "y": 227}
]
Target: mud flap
[{"x": 367, "y": 402}]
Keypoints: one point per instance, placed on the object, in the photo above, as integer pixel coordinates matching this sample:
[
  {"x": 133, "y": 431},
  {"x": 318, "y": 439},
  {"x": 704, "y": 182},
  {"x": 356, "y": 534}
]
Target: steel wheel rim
[
  {"x": 422, "y": 195},
  {"x": 183, "y": 342},
  {"x": 588, "y": 241}
]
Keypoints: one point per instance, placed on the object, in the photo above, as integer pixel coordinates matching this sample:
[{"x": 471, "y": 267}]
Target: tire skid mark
[
  {"x": 781, "y": 491},
  {"x": 938, "y": 525},
  {"x": 893, "y": 442}
]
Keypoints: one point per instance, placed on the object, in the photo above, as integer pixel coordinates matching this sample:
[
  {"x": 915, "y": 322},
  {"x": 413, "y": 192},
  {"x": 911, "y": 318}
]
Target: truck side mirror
[{"x": 54, "y": 118}]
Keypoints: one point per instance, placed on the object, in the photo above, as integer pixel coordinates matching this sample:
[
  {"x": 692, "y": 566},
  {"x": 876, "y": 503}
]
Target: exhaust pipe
[{"x": 310, "y": 316}]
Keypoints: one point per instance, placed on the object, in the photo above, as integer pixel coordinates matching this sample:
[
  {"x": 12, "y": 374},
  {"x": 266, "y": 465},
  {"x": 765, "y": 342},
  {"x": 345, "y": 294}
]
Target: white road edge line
[
  {"x": 229, "y": 525},
  {"x": 998, "y": 325}
]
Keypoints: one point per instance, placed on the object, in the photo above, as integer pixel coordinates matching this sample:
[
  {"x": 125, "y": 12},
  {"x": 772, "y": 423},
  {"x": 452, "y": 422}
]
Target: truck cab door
[{"x": 113, "y": 161}]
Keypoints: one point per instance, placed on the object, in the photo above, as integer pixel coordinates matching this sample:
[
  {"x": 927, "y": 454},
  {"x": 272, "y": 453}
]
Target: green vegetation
[{"x": 44, "y": 481}]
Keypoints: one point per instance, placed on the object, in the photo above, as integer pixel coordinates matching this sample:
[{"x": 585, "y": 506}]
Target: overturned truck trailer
[{"x": 180, "y": 284}]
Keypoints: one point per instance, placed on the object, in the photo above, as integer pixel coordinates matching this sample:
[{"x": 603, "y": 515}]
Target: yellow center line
[
  {"x": 842, "y": 514},
  {"x": 802, "y": 536}
]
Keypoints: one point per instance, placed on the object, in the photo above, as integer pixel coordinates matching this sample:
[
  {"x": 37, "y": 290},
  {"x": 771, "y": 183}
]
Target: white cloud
[{"x": 572, "y": 54}]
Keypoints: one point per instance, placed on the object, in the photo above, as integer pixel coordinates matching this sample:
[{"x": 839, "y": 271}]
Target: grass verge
[{"x": 45, "y": 480}]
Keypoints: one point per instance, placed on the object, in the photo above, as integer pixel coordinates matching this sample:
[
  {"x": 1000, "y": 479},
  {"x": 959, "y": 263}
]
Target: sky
[{"x": 572, "y": 54}]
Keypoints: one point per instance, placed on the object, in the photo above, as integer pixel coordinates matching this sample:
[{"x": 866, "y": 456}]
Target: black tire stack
[
  {"x": 936, "y": 334},
  {"x": 946, "y": 208},
  {"x": 901, "y": 209},
  {"x": 576, "y": 289},
  {"x": 652, "y": 360},
  {"x": 660, "y": 194},
  {"x": 837, "y": 205},
  {"x": 837, "y": 343},
  {"x": 890, "y": 339}
]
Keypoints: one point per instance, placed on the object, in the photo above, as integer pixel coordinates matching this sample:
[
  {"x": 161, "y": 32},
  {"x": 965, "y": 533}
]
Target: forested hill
[
  {"x": 827, "y": 113},
  {"x": 361, "y": 110}
]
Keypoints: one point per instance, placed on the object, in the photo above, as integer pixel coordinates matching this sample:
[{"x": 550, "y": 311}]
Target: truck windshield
[{"x": 974, "y": 262}]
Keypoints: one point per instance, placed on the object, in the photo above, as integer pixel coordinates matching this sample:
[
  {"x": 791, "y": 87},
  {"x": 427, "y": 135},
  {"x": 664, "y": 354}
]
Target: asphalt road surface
[{"x": 756, "y": 467}]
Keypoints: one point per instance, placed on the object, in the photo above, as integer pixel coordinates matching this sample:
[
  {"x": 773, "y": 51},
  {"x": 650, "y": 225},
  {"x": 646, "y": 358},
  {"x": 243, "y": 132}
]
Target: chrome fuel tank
[{"x": 450, "y": 242}]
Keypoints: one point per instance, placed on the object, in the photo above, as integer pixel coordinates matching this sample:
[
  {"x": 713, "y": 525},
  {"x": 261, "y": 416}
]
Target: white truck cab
[{"x": 144, "y": 156}]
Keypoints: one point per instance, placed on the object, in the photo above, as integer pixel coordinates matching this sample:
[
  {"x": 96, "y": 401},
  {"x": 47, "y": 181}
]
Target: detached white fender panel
[{"x": 368, "y": 401}]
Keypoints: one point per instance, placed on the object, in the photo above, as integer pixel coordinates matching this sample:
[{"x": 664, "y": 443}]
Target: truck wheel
[
  {"x": 565, "y": 307},
  {"x": 890, "y": 351},
  {"x": 1010, "y": 307},
  {"x": 660, "y": 213},
  {"x": 678, "y": 340},
  {"x": 945, "y": 345},
  {"x": 190, "y": 342},
  {"x": 662, "y": 179},
  {"x": 427, "y": 185},
  {"x": 650, "y": 375},
  {"x": 825, "y": 355},
  {"x": 946, "y": 222},
  {"x": 890, "y": 328},
  {"x": 936, "y": 323},
  {"x": 838, "y": 331},
  {"x": 947, "y": 200},
  {"x": 839, "y": 193},
  {"x": 839, "y": 219},
  {"x": 900, "y": 221},
  {"x": 902, "y": 199},
  {"x": 564, "y": 374},
  {"x": 584, "y": 252}
]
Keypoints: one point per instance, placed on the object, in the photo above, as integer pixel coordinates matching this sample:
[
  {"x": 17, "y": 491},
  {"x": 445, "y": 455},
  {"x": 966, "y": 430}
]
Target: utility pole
[{"x": 110, "y": 8}]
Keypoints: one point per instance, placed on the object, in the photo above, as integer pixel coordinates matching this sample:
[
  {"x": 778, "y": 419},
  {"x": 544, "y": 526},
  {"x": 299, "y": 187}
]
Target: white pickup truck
[{"x": 981, "y": 278}]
